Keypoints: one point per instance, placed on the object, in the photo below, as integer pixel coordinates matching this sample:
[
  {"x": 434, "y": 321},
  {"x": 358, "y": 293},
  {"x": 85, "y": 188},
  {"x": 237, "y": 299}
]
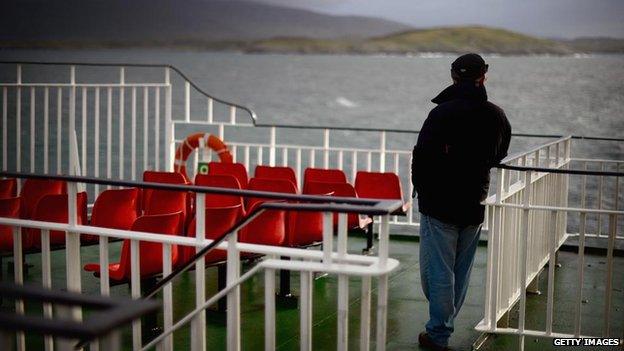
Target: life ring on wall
[{"x": 191, "y": 143}]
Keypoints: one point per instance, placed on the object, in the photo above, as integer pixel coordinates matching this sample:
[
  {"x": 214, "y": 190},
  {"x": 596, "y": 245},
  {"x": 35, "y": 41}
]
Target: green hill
[{"x": 449, "y": 39}]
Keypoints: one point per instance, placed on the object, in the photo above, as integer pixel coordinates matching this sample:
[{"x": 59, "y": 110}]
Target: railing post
[
  {"x": 168, "y": 299},
  {"x": 382, "y": 152},
  {"x": 169, "y": 134},
  {"x": 305, "y": 300},
  {"x": 365, "y": 314},
  {"x": 328, "y": 237},
  {"x": 382, "y": 297},
  {"x": 326, "y": 148},
  {"x": 198, "y": 330},
  {"x": 233, "y": 297},
  {"x": 18, "y": 272},
  {"x": 18, "y": 122},
  {"x": 272, "y": 143},
  {"x": 122, "y": 79},
  {"x": 522, "y": 248},
  {"x": 343, "y": 287},
  {"x": 187, "y": 101},
  {"x": 269, "y": 309},
  {"x": 609, "y": 285}
]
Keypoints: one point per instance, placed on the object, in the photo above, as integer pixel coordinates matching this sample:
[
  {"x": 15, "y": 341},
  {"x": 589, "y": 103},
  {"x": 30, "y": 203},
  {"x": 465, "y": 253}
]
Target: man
[{"x": 461, "y": 139}]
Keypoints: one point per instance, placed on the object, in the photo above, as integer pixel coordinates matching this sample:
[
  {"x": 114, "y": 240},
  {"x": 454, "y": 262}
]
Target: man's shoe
[{"x": 425, "y": 341}]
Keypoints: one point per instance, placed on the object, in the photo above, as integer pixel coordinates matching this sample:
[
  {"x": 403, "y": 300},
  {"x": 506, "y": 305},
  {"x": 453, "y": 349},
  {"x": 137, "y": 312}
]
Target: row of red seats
[{"x": 171, "y": 212}]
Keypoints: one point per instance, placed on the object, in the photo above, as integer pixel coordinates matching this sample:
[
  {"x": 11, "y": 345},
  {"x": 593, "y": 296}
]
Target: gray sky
[{"x": 545, "y": 18}]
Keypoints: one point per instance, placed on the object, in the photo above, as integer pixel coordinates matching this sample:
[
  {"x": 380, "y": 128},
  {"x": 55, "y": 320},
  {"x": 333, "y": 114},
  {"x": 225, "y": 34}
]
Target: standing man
[{"x": 461, "y": 139}]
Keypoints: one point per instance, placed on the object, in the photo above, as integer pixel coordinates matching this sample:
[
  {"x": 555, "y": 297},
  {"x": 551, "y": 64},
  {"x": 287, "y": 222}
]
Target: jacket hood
[{"x": 461, "y": 90}]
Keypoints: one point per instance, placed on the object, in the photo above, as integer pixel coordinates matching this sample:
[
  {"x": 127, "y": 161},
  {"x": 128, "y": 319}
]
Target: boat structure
[{"x": 139, "y": 212}]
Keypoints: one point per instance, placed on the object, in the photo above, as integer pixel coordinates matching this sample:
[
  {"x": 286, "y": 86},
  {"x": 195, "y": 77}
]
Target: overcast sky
[{"x": 546, "y": 18}]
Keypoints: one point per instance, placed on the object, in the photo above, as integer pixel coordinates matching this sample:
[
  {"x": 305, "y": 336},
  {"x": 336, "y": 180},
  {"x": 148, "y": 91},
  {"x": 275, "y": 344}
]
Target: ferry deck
[{"x": 332, "y": 264}]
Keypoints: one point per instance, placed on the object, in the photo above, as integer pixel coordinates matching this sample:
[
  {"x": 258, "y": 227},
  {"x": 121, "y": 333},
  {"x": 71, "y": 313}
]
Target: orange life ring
[{"x": 191, "y": 143}]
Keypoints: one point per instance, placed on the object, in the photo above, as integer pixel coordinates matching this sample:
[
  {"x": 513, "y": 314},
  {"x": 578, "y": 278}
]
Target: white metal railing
[
  {"x": 329, "y": 260},
  {"x": 528, "y": 220}
]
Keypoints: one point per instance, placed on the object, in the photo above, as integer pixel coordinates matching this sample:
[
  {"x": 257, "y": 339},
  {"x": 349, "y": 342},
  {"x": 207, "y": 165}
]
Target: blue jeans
[{"x": 447, "y": 252}]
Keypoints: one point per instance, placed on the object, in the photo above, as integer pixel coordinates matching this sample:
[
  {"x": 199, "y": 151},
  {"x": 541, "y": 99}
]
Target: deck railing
[
  {"x": 94, "y": 112},
  {"x": 530, "y": 217},
  {"x": 329, "y": 260},
  {"x": 129, "y": 118}
]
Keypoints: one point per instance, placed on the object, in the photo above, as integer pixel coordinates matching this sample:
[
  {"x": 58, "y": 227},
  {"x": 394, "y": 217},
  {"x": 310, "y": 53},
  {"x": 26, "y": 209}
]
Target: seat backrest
[
  {"x": 8, "y": 188},
  {"x": 271, "y": 185},
  {"x": 375, "y": 185},
  {"x": 324, "y": 175},
  {"x": 9, "y": 207},
  {"x": 53, "y": 208},
  {"x": 269, "y": 228},
  {"x": 218, "y": 220},
  {"x": 276, "y": 173},
  {"x": 115, "y": 209},
  {"x": 334, "y": 189},
  {"x": 234, "y": 169},
  {"x": 33, "y": 190},
  {"x": 219, "y": 181},
  {"x": 150, "y": 253},
  {"x": 159, "y": 177}
]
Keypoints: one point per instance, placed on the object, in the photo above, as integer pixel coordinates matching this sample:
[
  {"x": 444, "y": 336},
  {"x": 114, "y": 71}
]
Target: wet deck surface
[{"x": 407, "y": 306}]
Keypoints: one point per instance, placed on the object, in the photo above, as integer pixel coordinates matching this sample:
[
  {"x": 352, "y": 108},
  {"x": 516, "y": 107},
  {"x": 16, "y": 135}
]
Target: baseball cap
[{"x": 469, "y": 66}]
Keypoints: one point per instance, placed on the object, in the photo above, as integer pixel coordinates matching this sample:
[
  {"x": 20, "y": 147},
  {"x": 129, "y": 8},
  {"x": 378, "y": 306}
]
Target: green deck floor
[{"x": 407, "y": 312}]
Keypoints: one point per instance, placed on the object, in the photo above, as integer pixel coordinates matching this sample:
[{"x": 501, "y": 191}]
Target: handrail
[
  {"x": 560, "y": 170},
  {"x": 253, "y": 115}
]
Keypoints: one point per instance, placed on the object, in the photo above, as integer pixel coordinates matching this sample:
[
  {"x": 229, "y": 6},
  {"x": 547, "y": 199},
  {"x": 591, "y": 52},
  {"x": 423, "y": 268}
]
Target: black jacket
[{"x": 461, "y": 139}]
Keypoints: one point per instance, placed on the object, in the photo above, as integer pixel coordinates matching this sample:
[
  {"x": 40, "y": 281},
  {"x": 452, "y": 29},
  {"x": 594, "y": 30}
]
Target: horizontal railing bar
[
  {"x": 86, "y": 85},
  {"x": 534, "y": 149},
  {"x": 560, "y": 170},
  {"x": 527, "y": 332},
  {"x": 317, "y": 148},
  {"x": 180, "y": 240},
  {"x": 551, "y": 208},
  {"x": 595, "y": 160},
  {"x": 375, "y": 205},
  {"x": 341, "y": 268}
]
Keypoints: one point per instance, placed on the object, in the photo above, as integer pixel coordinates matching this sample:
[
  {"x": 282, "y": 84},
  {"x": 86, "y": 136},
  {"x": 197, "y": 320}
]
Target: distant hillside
[
  {"x": 145, "y": 22},
  {"x": 603, "y": 45},
  {"x": 452, "y": 39}
]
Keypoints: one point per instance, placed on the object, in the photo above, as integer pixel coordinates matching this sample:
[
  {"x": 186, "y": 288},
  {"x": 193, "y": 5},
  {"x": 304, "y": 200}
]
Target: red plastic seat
[
  {"x": 218, "y": 220},
  {"x": 114, "y": 209},
  {"x": 335, "y": 189},
  {"x": 33, "y": 190},
  {"x": 303, "y": 227},
  {"x": 323, "y": 175},
  {"x": 154, "y": 201},
  {"x": 161, "y": 177},
  {"x": 221, "y": 200},
  {"x": 269, "y": 228},
  {"x": 376, "y": 185},
  {"x": 269, "y": 172},
  {"x": 53, "y": 208},
  {"x": 8, "y": 188},
  {"x": 234, "y": 169},
  {"x": 150, "y": 253},
  {"x": 10, "y": 208}
]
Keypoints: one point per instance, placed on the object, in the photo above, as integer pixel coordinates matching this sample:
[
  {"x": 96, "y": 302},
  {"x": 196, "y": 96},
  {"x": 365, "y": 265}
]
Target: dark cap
[{"x": 469, "y": 66}]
